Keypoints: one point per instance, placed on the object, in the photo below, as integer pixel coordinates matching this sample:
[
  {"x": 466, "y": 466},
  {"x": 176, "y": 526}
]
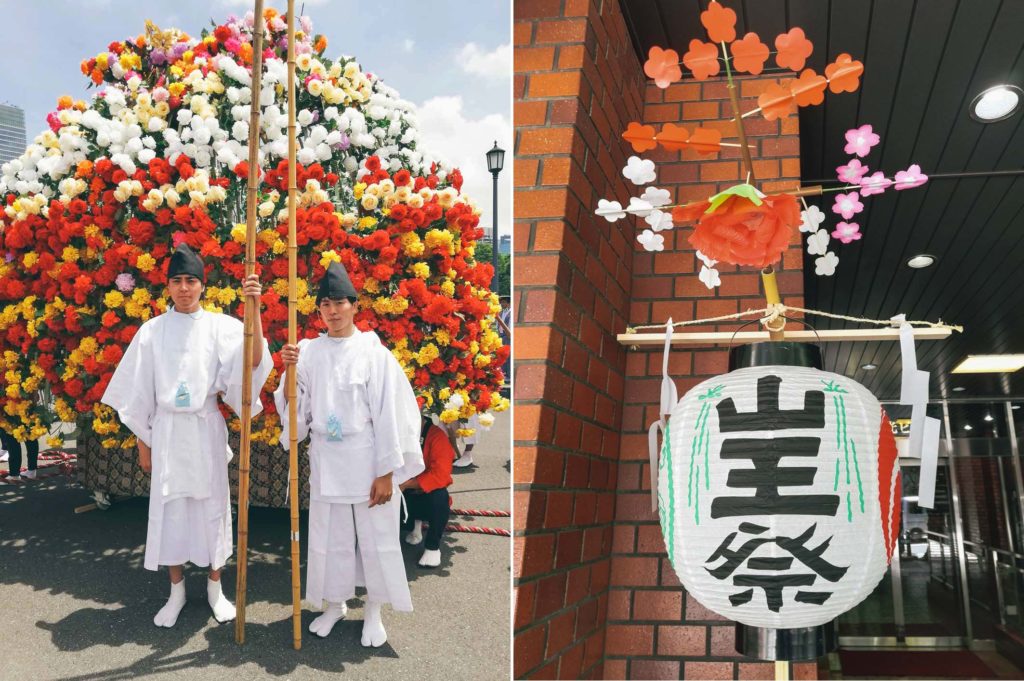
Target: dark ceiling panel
[{"x": 924, "y": 63}]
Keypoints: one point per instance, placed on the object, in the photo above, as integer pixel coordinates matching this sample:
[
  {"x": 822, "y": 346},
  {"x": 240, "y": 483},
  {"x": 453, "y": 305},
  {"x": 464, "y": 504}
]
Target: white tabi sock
[
  {"x": 168, "y": 615},
  {"x": 464, "y": 461},
  {"x": 430, "y": 558},
  {"x": 373, "y": 628},
  {"x": 223, "y": 610},
  {"x": 323, "y": 624},
  {"x": 416, "y": 535}
]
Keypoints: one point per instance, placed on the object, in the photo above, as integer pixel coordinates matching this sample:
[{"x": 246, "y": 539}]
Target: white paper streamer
[
  {"x": 669, "y": 397},
  {"x": 924, "y": 430}
]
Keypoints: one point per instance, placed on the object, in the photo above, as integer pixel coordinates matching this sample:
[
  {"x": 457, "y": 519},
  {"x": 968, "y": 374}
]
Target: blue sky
[{"x": 452, "y": 58}]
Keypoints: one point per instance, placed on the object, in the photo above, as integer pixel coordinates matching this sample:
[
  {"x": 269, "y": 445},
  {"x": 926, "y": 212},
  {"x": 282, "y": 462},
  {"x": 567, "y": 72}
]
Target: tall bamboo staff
[
  {"x": 250, "y": 311},
  {"x": 293, "y": 443}
]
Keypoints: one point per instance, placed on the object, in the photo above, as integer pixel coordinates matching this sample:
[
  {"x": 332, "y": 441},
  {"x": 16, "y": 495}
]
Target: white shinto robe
[
  {"x": 358, "y": 382},
  {"x": 174, "y": 354}
]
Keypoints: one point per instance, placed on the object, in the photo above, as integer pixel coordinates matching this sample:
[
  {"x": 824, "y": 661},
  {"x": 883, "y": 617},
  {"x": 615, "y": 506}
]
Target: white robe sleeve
[
  {"x": 231, "y": 355},
  {"x": 396, "y": 417},
  {"x": 303, "y": 405},
  {"x": 131, "y": 391}
]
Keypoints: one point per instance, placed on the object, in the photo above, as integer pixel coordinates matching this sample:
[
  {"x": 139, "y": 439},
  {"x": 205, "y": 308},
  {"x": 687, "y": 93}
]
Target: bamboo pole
[
  {"x": 771, "y": 288},
  {"x": 250, "y": 311},
  {"x": 290, "y": 391}
]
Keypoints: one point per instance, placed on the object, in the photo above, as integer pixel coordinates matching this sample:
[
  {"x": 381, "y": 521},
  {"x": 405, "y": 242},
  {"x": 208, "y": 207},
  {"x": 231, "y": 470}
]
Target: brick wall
[
  {"x": 578, "y": 83},
  {"x": 655, "y": 629}
]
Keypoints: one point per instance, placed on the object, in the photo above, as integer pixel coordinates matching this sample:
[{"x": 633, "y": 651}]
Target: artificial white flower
[
  {"x": 657, "y": 197},
  {"x": 706, "y": 260},
  {"x": 709, "y": 277},
  {"x": 651, "y": 241},
  {"x": 639, "y": 207},
  {"x": 659, "y": 220},
  {"x": 826, "y": 264},
  {"x": 810, "y": 219},
  {"x": 639, "y": 170},
  {"x": 817, "y": 243},
  {"x": 610, "y": 210}
]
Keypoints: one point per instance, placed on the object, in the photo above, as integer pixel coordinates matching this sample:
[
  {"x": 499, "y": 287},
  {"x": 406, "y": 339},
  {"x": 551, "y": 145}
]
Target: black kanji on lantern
[
  {"x": 766, "y": 477},
  {"x": 773, "y": 584}
]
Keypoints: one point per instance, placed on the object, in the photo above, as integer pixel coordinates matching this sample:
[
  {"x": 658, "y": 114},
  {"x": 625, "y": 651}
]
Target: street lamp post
[{"x": 495, "y": 161}]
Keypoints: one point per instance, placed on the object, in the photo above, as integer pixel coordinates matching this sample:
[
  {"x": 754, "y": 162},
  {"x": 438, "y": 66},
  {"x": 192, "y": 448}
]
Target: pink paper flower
[
  {"x": 848, "y": 205},
  {"x": 847, "y": 232},
  {"x": 875, "y": 184},
  {"x": 910, "y": 178},
  {"x": 852, "y": 171},
  {"x": 125, "y": 282},
  {"x": 860, "y": 140}
]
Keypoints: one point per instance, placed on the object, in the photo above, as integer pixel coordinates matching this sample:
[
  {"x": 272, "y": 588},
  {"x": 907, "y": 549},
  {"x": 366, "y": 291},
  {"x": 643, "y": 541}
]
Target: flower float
[{"x": 92, "y": 210}]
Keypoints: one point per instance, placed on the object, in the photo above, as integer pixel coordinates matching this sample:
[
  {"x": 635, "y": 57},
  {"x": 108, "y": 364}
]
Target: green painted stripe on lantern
[
  {"x": 696, "y": 506},
  {"x": 841, "y": 427},
  {"x": 835, "y": 484},
  {"x": 694, "y": 448},
  {"x": 856, "y": 467},
  {"x": 849, "y": 508}
]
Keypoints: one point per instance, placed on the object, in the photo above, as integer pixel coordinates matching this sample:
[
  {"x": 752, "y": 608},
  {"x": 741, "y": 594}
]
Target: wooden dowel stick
[
  {"x": 290, "y": 385},
  {"x": 250, "y": 311}
]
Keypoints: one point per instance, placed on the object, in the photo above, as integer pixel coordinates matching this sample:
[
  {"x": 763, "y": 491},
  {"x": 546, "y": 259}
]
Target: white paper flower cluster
[{"x": 338, "y": 125}]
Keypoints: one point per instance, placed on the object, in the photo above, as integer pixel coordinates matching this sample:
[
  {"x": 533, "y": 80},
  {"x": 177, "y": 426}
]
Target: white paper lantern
[{"x": 779, "y": 494}]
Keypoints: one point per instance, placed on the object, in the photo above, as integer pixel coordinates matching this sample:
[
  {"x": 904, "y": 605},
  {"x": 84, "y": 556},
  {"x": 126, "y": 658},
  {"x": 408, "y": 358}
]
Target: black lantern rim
[{"x": 775, "y": 353}]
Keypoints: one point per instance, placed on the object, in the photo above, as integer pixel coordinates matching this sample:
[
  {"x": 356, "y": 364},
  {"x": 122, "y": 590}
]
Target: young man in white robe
[
  {"x": 165, "y": 391},
  {"x": 358, "y": 407}
]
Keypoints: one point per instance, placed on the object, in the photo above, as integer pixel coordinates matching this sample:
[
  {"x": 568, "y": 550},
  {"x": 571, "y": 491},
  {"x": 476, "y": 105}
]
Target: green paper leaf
[{"x": 747, "y": 191}]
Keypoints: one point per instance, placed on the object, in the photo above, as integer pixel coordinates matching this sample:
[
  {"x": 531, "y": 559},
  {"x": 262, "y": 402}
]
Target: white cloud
[
  {"x": 464, "y": 142},
  {"x": 408, "y": 44},
  {"x": 494, "y": 64}
]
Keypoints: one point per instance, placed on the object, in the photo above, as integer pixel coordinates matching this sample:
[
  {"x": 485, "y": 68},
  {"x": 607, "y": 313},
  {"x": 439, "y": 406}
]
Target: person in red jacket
[{"x": 426, "y": 495}]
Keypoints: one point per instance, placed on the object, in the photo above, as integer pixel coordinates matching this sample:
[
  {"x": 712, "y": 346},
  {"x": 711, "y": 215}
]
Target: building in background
[{"x": 12, "y": 132}]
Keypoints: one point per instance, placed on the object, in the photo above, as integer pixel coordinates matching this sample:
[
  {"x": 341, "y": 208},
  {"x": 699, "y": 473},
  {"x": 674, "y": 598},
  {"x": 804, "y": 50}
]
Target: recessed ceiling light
[
  {"x": 921, "y": 261},
  {"x": 990, "y": 364},
  {"x": 968, "y": 427},
  {"x": 988, "y": 417},
  {"x": 959, "y": 389},
  {"x": 996, "y": 103},
  {"x": 869, "y": 367}
]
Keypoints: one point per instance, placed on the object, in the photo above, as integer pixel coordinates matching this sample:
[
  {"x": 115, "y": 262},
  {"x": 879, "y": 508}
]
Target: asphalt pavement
[{"x": 77, "y": 604}]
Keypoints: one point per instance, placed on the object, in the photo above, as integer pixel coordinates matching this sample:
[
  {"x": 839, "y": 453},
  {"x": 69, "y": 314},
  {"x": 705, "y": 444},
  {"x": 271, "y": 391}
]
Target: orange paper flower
[
  {"x": 808, "y": 89},
  {"x": 640, "y": 137},
  {"x": 706, "y": 140},
  {"x": 844, "y": 74},
  {"x": 742, "y": 233},
  {"x": 673, "y": 137},
  {"x": 777, "y": 101},
  {"x": 749, "y": 54},
  {"x": 663, "y": 66},
  {"x": 720, "y": 23},
  {"x": 702, "y": 59},
  {"x": 793, "y": 49}
]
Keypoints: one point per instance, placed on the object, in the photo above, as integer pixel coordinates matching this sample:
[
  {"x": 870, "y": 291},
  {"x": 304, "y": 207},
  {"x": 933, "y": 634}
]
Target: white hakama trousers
[
  {"x": 353, "y": 545},
  {"x": 196, "y": 531}
]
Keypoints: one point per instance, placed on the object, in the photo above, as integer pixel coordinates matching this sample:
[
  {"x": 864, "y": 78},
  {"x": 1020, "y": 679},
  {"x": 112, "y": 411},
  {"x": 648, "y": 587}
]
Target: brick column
[
  {"x": 655, "y": 629},
  {"x": 578, "y": 84}
]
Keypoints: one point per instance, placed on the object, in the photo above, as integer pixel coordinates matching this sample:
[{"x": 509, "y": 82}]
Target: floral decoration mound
[{"x": 93, "y": 209}]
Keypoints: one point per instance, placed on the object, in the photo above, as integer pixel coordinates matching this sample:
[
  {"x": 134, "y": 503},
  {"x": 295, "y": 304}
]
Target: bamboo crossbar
[
  {"x": 290, "y": 392},
  {"x": 250, "y": 311}
]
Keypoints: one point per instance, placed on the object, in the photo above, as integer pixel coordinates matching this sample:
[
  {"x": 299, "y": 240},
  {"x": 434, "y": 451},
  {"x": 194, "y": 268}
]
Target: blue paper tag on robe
[
  {"x": 333, "y": 429},
  {"x": 182, "y": 397}
]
